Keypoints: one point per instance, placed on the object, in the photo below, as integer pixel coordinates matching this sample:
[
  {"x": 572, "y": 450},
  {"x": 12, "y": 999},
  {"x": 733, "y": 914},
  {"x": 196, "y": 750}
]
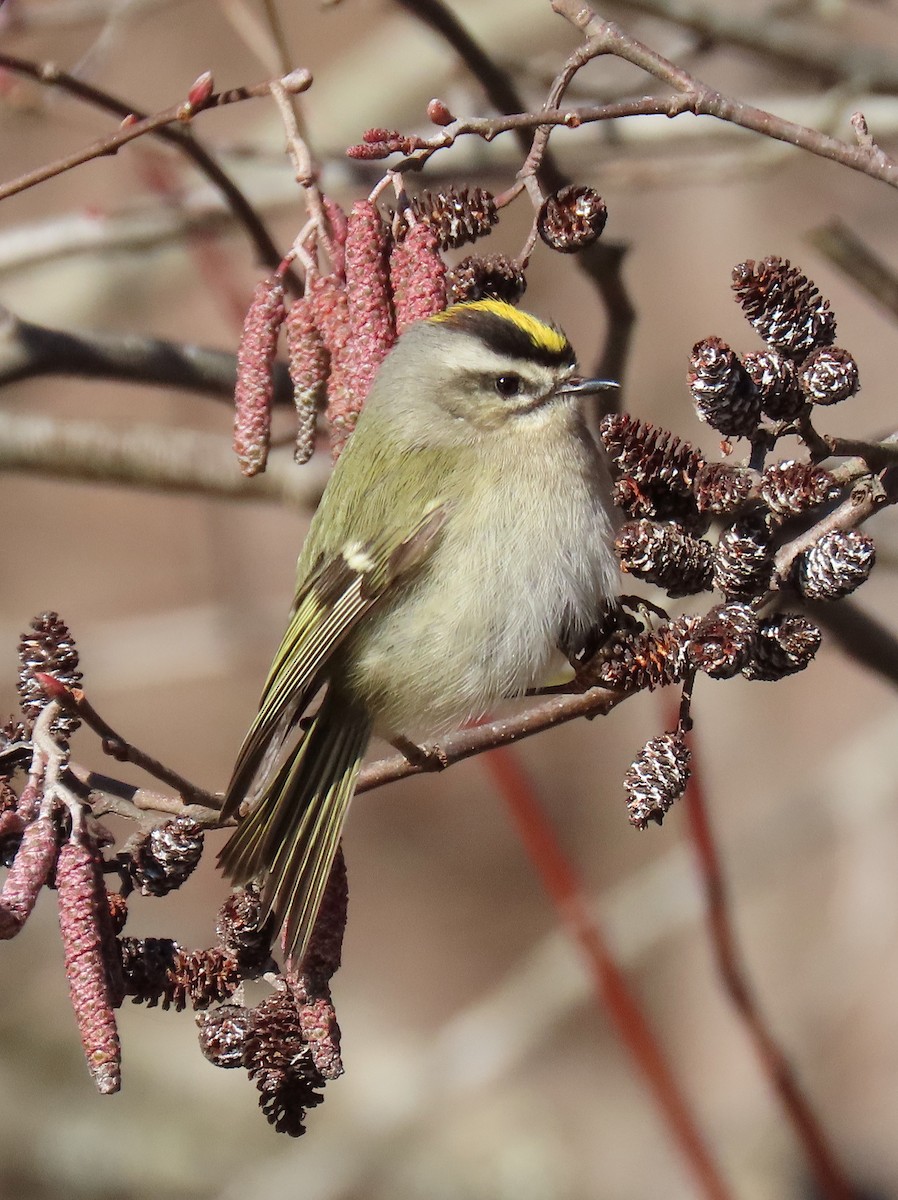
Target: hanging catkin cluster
[
  {"x": 726, "y": 528},
  {"x": 342, "y": 328}
]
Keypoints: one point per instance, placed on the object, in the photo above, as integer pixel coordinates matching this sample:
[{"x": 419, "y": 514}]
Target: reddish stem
[
  {"x": 828, "y": 1173},
  {"x": 568, "y": 894}
]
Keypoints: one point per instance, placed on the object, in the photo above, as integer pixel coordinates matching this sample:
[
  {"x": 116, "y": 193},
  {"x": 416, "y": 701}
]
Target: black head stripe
[{"x": 511, "y": 333}]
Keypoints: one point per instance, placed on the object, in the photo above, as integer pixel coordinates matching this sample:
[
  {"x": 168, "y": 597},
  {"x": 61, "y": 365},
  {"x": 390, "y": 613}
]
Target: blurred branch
[
  {"x": 828, "y": 1174},
  {"x": 795, "y": 44},
  {"x": 854, "y": 258},
  {"x": 28, "y": 350},
  {"x": 65, "y": 14},
  {"x": 860, "y": 635},
  {"x": 576, "y": 915},
  {"x": 155, "y": 457}
]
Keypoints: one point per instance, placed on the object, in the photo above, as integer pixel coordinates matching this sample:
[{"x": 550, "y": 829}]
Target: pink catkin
[
  {"x": 370, "y": 310},
  {"x": 321, "y": 1034},
  {"x": 328, "y": 299},
  {"x": 84, "y": 920},
  {"x": 337, "y": 228},
  {"x": 27, "y": 875},
  {"x": 255, "y": 375},
  {"x": 417, "y": 277},
  {"x": 307, "y": 358}
]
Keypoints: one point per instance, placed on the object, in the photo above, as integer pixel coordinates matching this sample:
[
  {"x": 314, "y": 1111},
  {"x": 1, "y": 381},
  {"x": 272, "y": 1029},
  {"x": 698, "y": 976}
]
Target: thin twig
[
  {"x": 577, "y": 917},
  {"x": 828, "y": 1173},
  {"x": 691, "y": 96},
  {"x": 866, "y": 497},
  {"x": 134, "y": 126},
  {"x": 73, "y": 700},
  {"x": 498, "y": 84},
  {"x": 244, "y": 212}
]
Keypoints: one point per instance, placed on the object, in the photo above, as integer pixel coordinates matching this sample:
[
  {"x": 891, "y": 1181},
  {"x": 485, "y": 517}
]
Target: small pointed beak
[{"x": 586, "y": 387}]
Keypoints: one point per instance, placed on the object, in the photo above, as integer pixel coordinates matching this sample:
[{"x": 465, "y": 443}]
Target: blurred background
[{"x": 478, "y": 1061}]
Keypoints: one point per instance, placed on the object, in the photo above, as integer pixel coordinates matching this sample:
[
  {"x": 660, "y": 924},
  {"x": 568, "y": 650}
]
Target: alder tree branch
[
  {"x": 135, "y": 124},
  {"x": 603, "y": 261}
]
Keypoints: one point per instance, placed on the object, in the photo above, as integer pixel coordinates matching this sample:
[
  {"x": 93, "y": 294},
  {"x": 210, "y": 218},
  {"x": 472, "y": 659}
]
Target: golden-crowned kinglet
[{"x": 462, "y": 540}]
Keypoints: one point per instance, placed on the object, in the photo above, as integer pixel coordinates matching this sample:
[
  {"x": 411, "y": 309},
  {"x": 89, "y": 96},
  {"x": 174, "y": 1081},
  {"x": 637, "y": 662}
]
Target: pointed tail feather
[{"x": 292, "y": 835}]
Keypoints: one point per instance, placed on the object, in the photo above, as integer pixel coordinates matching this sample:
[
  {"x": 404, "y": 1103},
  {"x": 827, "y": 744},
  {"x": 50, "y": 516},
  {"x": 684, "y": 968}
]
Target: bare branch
[
  {"x": 135, "y": 125},
  {"x": 28, "y": 350}
]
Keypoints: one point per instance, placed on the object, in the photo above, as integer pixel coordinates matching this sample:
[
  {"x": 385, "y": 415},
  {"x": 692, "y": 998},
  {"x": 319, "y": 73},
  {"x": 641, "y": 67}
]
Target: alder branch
[
  {"x": 465, "y": 743},
  {"x": 868, "y": 496},
  {"x": 74, "y": 701},
  {"x": 28, "y": 350},
  {"x": 159, "y": 458},
  {"x": 134, "y": 126},
  {"x": 604, "y": 259},
  {"x": 691, "y": 96},
  {"x": 183, "y": 138}
]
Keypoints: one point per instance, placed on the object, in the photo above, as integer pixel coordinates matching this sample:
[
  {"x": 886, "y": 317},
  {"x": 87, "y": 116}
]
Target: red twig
[
  {"x": 568, "y": 894},
  {"x": 828, "y": 1173}
]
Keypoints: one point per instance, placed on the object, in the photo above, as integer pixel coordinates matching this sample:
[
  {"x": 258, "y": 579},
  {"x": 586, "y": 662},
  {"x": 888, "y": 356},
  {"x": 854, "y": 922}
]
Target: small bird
[{"x": 463, "y": 540}]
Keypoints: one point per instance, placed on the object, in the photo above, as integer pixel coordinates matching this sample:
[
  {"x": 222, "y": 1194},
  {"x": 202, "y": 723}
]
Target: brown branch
[
  {"x": 73, "y": 700},
  {"x": 828, "y": 1173},
  {"x": 576, "y": 916},
  {"x": 866, "y": 497},
  {"x": 183, "y": 138},
  {"x": 135, "y": 125},
  {"x": 692, "y": 96},
  {"x": 503, "y": 732},
  {"x": 498, "y": 85}
]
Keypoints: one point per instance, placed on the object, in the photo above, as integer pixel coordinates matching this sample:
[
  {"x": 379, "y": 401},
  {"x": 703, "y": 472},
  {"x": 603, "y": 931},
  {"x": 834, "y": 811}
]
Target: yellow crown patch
[{"x": 543, "y": 337}]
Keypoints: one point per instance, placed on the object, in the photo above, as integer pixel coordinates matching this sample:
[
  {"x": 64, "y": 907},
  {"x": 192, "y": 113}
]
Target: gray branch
[{"x": 151, "y": 456}]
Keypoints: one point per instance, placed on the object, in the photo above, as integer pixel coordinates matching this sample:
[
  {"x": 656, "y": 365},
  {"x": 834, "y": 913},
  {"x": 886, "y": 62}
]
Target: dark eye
[{"x": 509, "y": 385}]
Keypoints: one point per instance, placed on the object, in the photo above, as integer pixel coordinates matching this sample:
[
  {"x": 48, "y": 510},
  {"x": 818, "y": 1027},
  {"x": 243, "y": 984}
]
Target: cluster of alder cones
[{"x": 763, "y": 536}]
